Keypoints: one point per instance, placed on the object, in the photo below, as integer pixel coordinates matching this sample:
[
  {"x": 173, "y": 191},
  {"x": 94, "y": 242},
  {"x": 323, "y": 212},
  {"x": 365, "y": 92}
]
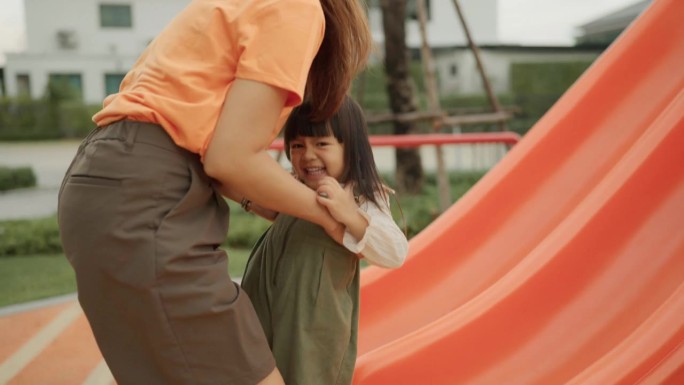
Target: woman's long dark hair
[
  {"x": 344, "y": 52},
  {"x": 349, "y": 127}
]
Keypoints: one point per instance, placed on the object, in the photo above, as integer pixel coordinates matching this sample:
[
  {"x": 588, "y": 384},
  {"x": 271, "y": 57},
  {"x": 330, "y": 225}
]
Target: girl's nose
[{"x": 309, "y": 152}]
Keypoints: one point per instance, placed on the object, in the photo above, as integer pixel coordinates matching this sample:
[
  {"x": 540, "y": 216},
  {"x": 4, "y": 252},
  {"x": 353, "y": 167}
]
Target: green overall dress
[{"x": 305, "y": 289}]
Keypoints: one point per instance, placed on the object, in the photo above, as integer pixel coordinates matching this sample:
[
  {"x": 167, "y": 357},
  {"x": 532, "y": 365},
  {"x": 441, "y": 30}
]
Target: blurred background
[{"x": 480, "y": 66}]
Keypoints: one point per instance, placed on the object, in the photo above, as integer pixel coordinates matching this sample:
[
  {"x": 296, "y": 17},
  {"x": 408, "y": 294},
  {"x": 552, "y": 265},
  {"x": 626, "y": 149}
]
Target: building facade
[
  {"x": 89, "y": 45},
  {"x": 443, "y": 27},
  {"x": 84, "y": 44},
  {"x": 605, "y": 29},
  {"x": 458, "y": 73}
]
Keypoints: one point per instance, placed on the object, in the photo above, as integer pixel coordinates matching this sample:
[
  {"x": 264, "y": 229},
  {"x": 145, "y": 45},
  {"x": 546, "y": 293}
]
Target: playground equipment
[{"x": 565, "y": 263}]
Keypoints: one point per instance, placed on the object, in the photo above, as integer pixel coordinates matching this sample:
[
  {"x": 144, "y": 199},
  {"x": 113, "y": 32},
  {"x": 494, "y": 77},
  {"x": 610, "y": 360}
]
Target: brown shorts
[{"x": 141, "y": 225}]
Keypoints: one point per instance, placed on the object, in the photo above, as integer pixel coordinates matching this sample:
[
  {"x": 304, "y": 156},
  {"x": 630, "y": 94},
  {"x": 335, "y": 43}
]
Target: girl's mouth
[{"x": 315, "y": 171}]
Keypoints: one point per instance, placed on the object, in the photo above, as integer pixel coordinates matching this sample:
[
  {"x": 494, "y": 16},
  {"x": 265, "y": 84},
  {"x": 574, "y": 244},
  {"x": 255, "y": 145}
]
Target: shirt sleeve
[
  {"x": 383, "y": 244},
  {"x": 278, "y": 42}
]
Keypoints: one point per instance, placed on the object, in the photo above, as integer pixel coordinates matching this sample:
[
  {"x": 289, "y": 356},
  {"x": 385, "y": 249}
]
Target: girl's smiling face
[{"x": 314, "y": 157}]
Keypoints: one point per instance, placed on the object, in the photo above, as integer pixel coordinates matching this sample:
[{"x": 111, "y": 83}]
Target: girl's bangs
[{"x": 313, "y": 129}]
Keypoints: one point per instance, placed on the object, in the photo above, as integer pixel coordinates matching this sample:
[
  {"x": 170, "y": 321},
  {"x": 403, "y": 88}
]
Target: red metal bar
[{"x": 417, "y": 140}]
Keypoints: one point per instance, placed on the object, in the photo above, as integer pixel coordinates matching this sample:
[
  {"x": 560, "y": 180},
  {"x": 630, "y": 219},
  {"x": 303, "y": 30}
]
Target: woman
[{"x": 140, "y": 210}]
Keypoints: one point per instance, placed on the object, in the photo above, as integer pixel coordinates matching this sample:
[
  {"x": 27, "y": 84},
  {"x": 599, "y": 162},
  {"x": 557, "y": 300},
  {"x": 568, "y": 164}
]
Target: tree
[{"x": 409, "y": 171}]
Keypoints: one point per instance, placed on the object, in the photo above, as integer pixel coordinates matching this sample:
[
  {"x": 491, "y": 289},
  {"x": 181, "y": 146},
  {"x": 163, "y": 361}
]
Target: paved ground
[{"x": 49, "y": 161}]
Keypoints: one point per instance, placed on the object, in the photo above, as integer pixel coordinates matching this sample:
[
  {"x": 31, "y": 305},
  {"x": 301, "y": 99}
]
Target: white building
[
  {"x": 91, "y": 44},
  {"x": 444, "y": 28},
  {"x": 606, "y": 28},
  {"x": 88, "y": 44},
  {"x": 455, "y": 64},
  {"x": 458, "y": 72}
]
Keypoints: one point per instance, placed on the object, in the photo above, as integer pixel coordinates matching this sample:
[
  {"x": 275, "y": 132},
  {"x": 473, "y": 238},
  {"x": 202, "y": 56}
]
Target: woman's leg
[{"x": 142, "y": 226}]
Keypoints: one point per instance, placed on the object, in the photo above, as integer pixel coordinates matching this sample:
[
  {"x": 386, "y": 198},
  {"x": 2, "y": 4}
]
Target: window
[
  {"x": 23, "y": 86},
  {"x": 112, "y": 83},
  {"x": 67, "y": 39},
  {"x": 453, "y": 70},
  {"x": 65, "y": 86},
  {"x": 116, "y": 16},
  {"x": 412, "y": 10}
]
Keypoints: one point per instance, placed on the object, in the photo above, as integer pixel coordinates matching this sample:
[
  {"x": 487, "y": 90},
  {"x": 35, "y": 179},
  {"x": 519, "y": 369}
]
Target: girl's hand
[{"x": 339, "y": 201}]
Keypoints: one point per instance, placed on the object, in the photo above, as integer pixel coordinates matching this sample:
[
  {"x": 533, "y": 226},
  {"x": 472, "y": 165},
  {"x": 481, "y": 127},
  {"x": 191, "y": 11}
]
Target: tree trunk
[{"x": 409, "y": 170}]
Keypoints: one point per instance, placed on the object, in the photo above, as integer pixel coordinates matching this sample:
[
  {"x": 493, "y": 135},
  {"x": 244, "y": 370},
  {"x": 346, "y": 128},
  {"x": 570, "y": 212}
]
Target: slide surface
[{"x": 565, "y": 263}]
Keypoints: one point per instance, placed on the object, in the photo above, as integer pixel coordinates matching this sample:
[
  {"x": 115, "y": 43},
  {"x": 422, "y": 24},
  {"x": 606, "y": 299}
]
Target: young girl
[{"x": 305, "y": 286}]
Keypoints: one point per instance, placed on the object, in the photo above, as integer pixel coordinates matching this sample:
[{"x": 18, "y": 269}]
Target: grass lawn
[
  {"x": 38, "y": 274},
  {"x": 33, "y": 277}
]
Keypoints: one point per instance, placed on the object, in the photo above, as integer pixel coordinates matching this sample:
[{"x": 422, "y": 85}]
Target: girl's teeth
[{"x": 314, "y": 171}]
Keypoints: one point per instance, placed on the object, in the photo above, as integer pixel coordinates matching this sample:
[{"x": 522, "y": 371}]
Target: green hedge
[
  {"x": 29, "y": 237},
  {"x": 41, "y": 236},
  {"x": 545, "y": 78},
  {"x": 22, "y": 119},
  {"x": 13, "y": 178},
  {"x": 537, "y": 86}
]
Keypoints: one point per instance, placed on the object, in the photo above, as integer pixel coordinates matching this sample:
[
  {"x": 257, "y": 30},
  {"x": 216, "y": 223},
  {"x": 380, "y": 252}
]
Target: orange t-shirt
[{"x": 180, "y": 81}]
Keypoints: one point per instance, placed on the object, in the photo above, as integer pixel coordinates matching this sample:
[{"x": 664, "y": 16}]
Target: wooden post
[
  {"x": 476, "y": 52},
  {"x": 433, "y": 105}
]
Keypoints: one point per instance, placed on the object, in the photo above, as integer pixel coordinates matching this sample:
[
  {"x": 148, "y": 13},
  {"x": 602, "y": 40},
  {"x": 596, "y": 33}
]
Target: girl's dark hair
[
  {"x": 343, "y": 53},
  {"x": 349, "y": 127}
]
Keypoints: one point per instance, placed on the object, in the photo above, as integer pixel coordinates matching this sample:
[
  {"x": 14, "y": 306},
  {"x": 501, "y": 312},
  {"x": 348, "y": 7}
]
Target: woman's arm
[
  {"x": 237, "y": 155},
  {"x": 247, "y": 205}
]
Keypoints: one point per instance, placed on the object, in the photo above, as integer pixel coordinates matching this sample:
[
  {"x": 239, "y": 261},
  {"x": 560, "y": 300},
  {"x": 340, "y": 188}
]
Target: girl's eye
[{"x": 295, "y": 146}]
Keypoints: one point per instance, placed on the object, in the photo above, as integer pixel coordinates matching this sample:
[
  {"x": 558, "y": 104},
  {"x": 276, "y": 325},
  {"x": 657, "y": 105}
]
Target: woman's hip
[{"x": 131, "y": 192}]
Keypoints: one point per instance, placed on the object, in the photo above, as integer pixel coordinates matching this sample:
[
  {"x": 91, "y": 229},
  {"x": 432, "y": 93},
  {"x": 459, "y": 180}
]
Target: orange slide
[{"x": 565, "y": 263}]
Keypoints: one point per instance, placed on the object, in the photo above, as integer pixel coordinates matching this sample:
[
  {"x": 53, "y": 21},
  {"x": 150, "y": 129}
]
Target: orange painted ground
[
  {"x": 17, "y": 329},
  {"x": 50, "y": 345},
  {"x": 68, "y": 360}
]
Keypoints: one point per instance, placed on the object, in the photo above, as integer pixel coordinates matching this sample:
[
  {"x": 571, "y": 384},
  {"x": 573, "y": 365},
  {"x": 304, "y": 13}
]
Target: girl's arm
[
  {"x": 383, "y": 244},
  {"x": 237, "y": 155},
  {"x": 370, "y": 230}
]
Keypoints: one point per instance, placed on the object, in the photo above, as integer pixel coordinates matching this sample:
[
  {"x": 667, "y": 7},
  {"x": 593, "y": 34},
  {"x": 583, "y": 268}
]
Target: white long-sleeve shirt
[{"x": 383, "y": 244}]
